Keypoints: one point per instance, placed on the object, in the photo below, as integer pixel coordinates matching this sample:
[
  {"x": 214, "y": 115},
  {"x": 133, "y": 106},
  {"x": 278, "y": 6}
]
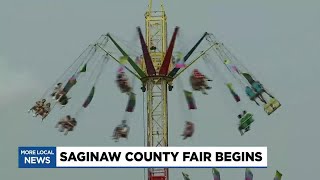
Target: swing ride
[{"x": 156, "y": 66}]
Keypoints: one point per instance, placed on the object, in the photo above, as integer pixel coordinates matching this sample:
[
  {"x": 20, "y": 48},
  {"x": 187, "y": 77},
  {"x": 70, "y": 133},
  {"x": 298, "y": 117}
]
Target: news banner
[{"x": 142, "y": 157}]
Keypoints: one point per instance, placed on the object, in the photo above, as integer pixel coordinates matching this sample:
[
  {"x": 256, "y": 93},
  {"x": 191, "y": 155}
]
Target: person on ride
[
  {"x": 240, "y": 126},
  {"x": 60, "y": 124},
  {"x": 123, "y": 127},
  {"x": 39, "y": 109},
  {"x": 43, "y": 101},
  {"x": 66, "y": 124},
  {"x": 64, "y": 100},
  {"x": 258, "y": 87},
  {"x": 59, "y": 95},
  {"x": 119, "y": 76},
  {"x": 67, "y": 118},
  {"x": 69, "y": 125},
  {"x": 244, "y": 113},
  {"x": 122, "y": 76},
  {"x": 240, "y": 130},
  {"x": 46, "y": 110},
  {"x": 252, "y": 94},
  {"x": 73, "y": 121},
  {"x": 189, "y": 129},
  {"x": 56, "y": 89},
  {"x": 199, "y": 81},
  {"x": 115, "y": 135},
  {"x": 240, "y": 116},
  {"x": 36, "y": 107},
  {"x": 121, "y": 130},
  {"x": 123, "y": 83}
]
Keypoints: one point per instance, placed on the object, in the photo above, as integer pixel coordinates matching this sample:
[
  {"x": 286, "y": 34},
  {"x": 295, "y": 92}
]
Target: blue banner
[{"x": 37, "y": 157}]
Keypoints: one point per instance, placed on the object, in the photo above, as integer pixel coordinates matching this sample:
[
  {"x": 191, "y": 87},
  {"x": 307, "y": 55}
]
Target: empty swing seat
[{"x": 271, "y": 106}]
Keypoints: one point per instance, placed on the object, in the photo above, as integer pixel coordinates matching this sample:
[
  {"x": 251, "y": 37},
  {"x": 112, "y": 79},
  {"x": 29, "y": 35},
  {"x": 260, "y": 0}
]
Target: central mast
[{"x": 156, "y": 86}]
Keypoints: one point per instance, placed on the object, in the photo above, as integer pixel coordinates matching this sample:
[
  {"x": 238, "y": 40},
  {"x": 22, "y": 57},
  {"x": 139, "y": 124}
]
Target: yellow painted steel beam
[{"x": 157, "y": 107}]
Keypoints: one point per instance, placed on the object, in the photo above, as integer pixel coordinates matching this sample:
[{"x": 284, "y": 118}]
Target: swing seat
[
  {"x": 252, "y": 97},
  {"x": 188, "y": 132},
  {"x": 123, "y": 135},
  {"x": 246, "y": 121},
  {"x": 197, "y": 83},
  {"x": 124, "y": 88},
  {"x": 237, "y": 98},
  {"x": 260, "y": 91},
  {"x": 258, "y": 88},
  {"x": 122, "y": 132},
  {"x": 272, "y": 106}
]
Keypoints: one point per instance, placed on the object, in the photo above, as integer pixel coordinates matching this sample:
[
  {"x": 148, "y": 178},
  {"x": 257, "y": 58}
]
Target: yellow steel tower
[
  {"x": 156, "y": 75},
  {"x": 156, "y": 86}
]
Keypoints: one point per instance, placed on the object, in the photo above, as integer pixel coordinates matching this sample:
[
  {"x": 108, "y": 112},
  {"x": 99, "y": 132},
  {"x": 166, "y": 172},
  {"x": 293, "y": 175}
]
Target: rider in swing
[
  {"x": 199, "y": 81},
  {"x": 66, "y": 124},
  {"x": 123, "y": 83},
  {"x": 189, "y": 130},
  {"x": 253, "y": 95},
  {"x": 259, "y": 89},
  {"x": 121, "y": 131}
]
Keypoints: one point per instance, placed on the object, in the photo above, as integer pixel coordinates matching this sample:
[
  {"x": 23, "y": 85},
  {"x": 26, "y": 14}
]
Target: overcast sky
[{"x": 279, "y": 41}]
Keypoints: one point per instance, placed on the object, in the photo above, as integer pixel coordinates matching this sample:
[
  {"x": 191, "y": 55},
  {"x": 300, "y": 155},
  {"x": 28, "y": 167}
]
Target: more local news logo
[{"x": 37, "y": 157}]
